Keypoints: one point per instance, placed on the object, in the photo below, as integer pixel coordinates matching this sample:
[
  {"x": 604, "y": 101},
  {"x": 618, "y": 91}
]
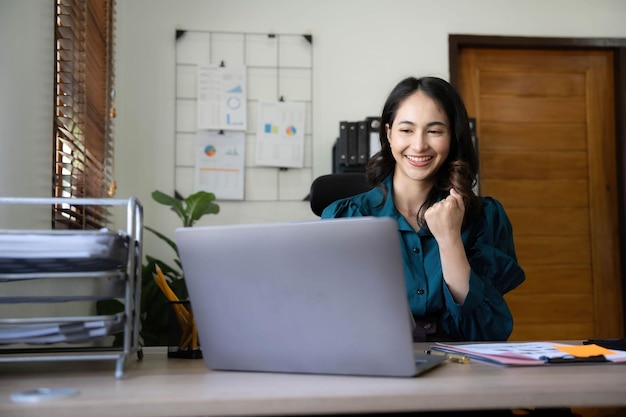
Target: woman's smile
[{"x": 419, "y": 161}]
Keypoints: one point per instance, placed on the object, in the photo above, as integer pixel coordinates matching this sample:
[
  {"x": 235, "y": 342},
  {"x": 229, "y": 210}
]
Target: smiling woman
[{"x": 458, "y": 252}]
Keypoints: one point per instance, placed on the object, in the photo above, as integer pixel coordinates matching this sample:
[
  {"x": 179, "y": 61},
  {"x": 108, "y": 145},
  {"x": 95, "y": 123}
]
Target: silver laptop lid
[{"x": 324, "y": 296}]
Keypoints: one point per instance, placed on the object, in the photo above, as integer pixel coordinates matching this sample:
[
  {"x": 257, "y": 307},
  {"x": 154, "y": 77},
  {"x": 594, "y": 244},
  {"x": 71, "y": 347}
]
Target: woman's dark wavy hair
[{"x": 459, "y": 170}]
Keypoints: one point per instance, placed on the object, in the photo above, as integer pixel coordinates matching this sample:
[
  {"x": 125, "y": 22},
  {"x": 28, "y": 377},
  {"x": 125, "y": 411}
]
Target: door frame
[{"x": 457, "y": 42}]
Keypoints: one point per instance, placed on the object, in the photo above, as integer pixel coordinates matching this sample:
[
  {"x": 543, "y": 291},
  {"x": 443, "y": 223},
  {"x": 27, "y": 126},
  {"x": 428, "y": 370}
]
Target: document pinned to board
[
  {"x": 533, "y": 353},
  {"x": 220, "y": 168},
  {"x": 221, "y": 98},
  {"x": 280, "y": 134}
]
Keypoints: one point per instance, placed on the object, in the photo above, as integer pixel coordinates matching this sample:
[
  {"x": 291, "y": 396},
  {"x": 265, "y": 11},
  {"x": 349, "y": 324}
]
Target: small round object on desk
[{"x": 42, "y": 394}]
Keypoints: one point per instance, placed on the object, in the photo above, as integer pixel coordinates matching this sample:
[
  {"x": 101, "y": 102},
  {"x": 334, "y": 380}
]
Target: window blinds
[{"x": 84, "y": 111}]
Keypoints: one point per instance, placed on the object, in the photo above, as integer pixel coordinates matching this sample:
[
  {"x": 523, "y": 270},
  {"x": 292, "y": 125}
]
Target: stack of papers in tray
[
  {"x": 76, "y": 331},
  {"x": 533, "y": 353},
  {"x": 23, "y": 251}
]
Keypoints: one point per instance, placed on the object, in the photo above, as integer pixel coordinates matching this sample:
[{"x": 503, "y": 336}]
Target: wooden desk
[{"x": 157, "y": 386}]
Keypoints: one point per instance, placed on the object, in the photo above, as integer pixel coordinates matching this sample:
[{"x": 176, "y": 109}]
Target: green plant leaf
[
  {"x": 199, "y": 204},
  {"x": 175, "y": 204}
]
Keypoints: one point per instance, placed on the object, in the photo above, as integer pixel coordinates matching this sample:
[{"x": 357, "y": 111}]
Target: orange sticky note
[{"x": 584, "y": 351}]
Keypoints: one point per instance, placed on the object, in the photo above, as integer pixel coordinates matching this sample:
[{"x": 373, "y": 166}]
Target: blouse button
[
  {"x": 420, "y": 291},
  {"x": 416, "y": 250}
]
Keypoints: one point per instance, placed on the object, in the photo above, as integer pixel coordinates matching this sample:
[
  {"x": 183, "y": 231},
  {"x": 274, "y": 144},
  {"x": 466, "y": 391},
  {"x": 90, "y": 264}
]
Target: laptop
[{"x": 318, "y": 297}]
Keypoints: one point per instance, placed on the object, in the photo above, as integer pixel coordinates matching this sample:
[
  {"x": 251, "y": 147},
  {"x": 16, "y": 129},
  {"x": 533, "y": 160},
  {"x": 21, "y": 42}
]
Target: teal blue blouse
[{"x": 494, "y": 268}]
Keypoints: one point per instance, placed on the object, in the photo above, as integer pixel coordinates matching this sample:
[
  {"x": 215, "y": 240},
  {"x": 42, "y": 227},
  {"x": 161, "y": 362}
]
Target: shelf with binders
[
  {"x": 358, "y": 141},
  {"x": 50, "y": 279}
]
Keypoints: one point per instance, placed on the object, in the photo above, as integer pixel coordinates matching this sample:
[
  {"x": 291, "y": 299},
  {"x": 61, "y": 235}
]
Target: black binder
[
  {"x": 363, "y": 142},
  {"x": 342, "y": 143},
  {"x": 353, "y": 144}
]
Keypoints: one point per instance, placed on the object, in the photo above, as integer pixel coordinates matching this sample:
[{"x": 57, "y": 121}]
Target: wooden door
[{"x": 546, "y": 134}]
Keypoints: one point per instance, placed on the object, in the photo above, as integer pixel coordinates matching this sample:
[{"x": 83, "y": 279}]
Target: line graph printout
[{"x": 221, "y": 97}]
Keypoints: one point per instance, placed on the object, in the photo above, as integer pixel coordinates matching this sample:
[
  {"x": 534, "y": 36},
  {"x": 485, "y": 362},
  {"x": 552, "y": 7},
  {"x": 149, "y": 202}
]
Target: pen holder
[{"x": 183, "y": 334}]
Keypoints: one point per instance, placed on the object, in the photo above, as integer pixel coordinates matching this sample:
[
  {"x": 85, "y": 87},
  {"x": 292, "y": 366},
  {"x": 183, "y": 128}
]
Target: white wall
[
  {"x": 361, "y": 49},
  {"x": 26, "y": 107}
]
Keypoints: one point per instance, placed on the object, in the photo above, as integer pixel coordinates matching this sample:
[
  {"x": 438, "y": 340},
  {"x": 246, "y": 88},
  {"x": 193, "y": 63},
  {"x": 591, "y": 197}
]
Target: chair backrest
[{"x": 332, "y": 187}]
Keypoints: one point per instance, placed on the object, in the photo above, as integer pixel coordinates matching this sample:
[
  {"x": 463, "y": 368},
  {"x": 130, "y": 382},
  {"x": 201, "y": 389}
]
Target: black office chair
[{"x": 332, "y": 187}]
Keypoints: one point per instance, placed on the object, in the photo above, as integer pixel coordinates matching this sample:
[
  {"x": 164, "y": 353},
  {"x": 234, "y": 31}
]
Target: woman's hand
[{"x": 445, "y": 217}]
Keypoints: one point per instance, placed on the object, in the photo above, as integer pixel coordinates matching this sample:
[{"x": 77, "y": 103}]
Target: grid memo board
[{"x": 278, "y": 67}]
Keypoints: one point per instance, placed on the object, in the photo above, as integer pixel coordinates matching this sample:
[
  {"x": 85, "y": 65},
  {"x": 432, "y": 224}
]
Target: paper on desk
[{"x": 524, "y": 353}]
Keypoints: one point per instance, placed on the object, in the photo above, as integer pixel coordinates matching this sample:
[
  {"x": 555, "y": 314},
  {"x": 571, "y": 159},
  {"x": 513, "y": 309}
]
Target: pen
[{"x": 453, "y": 357}]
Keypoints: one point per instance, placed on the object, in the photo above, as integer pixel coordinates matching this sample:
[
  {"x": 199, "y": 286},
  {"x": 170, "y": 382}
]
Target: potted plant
[{"x": 155, "y": 309}]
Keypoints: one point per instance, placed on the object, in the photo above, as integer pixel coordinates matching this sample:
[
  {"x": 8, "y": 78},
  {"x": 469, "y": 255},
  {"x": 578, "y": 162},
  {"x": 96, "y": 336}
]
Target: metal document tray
[{"x": 71, "y": 268}]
